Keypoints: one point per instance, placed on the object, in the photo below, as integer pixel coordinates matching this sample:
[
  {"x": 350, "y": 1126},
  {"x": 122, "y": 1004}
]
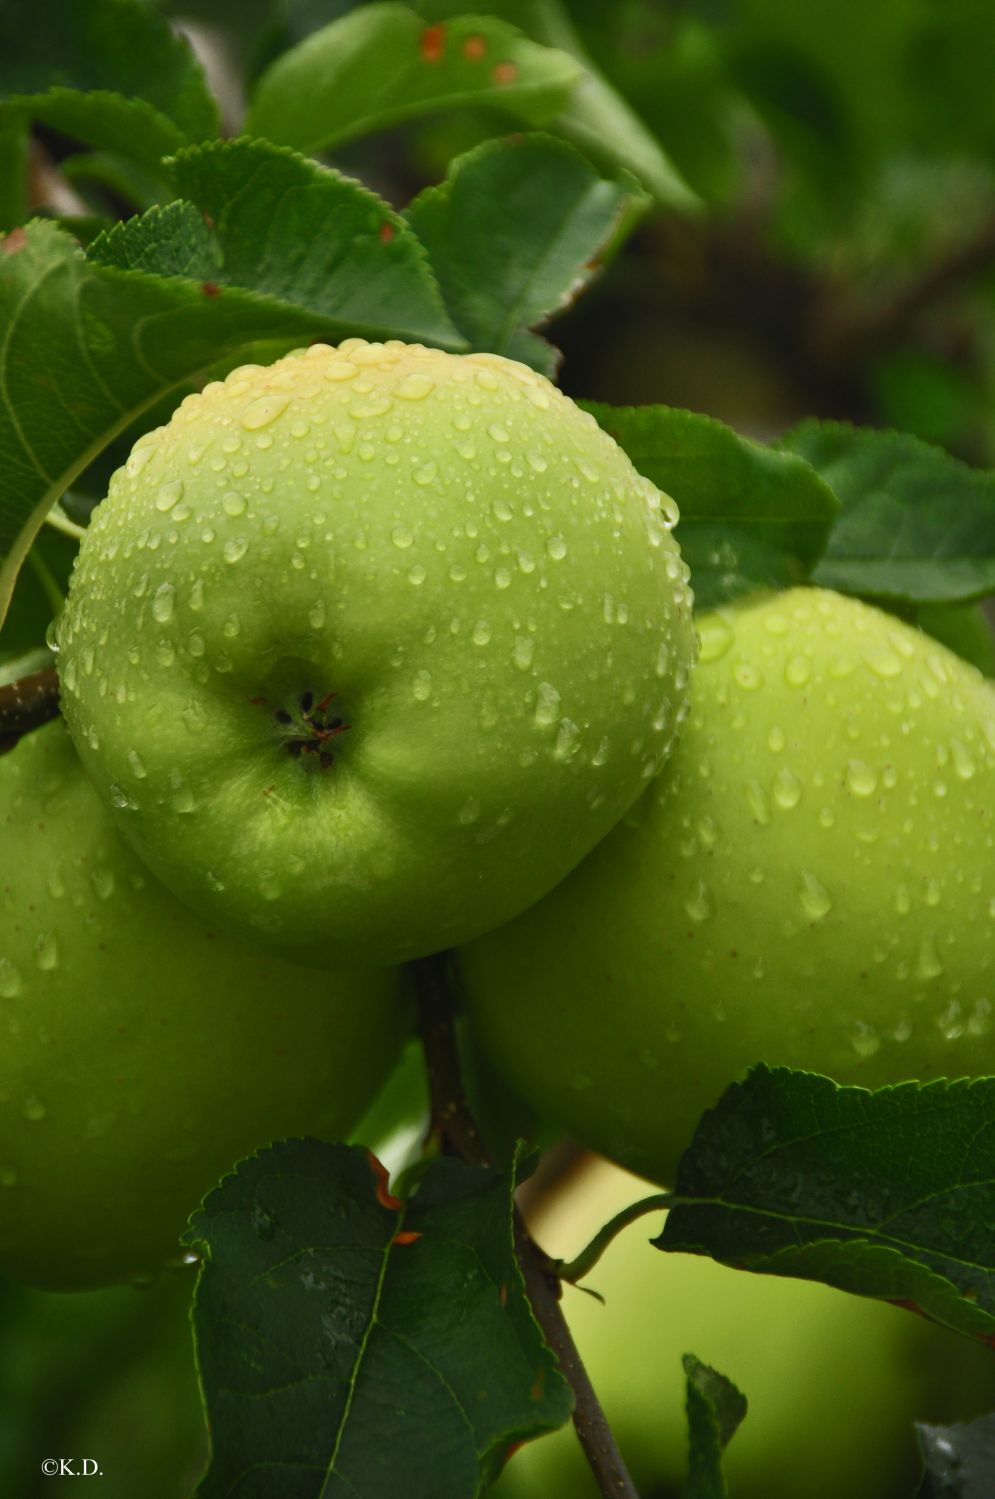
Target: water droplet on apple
[
  {"x": 816, "y": 901},
  {"x": 864, "y": 1039},
  {"x": 402, "y": 537},
  {"x": 556, "y": 548},
  {"x": 424, "y": 474},
  {"x": 262, "y": 411},
  {"x": 102, "y": 880},
  {"x": 567, "y": 741},
  {"x": 168, "y": 494},
  {"x": 547, "y": 704},
  {"x": 861, "y": 778},
  {"x": 163, "y": 603},
  {"x": 34, "y": 1109},
  {"x": 235, "y": 549},
  {"x": 422, "y": 686},
  {"x": 929, "y": 965},
  {"x": 233, "y": 504},
  {"x": 759, "y": 806},
  {"x": 469, "y": 812},
  {"x": 10, "y": 980},
  {"x": 700, "y": 904},
  {"x": 414, "y": 387},
  {"x": 798, "y": 671},
  {"x": 481, "y": 632},
  {"x": 787, "y": 789},
  {"x": 47, "y": 952}
]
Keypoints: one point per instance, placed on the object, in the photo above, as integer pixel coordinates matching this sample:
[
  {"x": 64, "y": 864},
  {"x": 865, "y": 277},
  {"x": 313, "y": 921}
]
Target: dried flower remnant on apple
[{"x": 368, "y": 648}]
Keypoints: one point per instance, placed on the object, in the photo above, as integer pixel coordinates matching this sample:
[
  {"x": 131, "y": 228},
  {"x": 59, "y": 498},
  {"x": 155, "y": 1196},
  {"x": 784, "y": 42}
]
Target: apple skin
[
  {"x": 810, "y": 883},
  {"x": 440, "y": 552},
  {"x": 834, "y": 1382},
  {"x": 143, "y": 1055}
]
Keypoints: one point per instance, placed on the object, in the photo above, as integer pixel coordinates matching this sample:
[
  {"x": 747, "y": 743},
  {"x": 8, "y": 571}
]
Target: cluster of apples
[{"x": 379, "y": 651}]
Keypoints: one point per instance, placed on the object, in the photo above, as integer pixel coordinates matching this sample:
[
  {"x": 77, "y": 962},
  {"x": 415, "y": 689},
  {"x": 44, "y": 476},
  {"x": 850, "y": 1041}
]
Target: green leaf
[
  {"x": 89, "y": 344},
  {"x": 595, "y": 116},
  {"x": 751, "y": 517},
  {"x": 960, "y": 1460},
  {"x": 715, "y": 1410},
  {"x": 381, "y": 65},
  {"x": 884, "y": 1194},
  {"x": 105, "y": 47},
  {"x": 514, "y": 233},
  {"x": 349, "y": 1343},
  {"x": 110, "y": 121},
  {"x": 917, "y": 526}
]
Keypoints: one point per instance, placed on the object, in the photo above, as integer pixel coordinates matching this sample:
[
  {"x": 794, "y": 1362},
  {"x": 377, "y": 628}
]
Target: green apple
[
  {"x": 365, "y": 650},
  {"x": 811, "y": 882},
  {"x": 834, "y": 1382},
  {"x": 144, "y": 1054}
]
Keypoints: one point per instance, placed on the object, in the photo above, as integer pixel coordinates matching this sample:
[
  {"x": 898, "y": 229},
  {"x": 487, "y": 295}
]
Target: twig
[
  {"x": 27, "y": 704},
  {"x": 455, "y": 1129}
]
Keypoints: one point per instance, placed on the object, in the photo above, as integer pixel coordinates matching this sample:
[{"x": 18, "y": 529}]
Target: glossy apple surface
[
  {"x": 834, "y": 1382},
  {"x": 810, "y": 882},
  {"x": 365, "y": 650},
  {"x": 144, "y": 1053}
]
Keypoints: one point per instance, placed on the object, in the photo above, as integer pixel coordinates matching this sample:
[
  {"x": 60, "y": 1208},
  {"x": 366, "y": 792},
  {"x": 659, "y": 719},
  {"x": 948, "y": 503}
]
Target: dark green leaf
[
  {"x": 514, "y": 233},
  {"x": 381, "y": 65},
  {"x": 715, "y": 1409},
  {"x": 595, "y": 116},
  {"x": 351, "y": 1344},
  {"x": 960, "y": 1460},
  {"x": 750, "y": 517},
  {"x": 110, "y": 72},
  {"x": 885, "y": 1194},
  {"x": 916, "y": 526}
]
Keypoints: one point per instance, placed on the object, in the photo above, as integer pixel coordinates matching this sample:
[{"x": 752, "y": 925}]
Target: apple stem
[
  {"x": 455, "y": 1131},
  {"x": 575, "y": 1269},
  {"x": 26, "y": 705}
]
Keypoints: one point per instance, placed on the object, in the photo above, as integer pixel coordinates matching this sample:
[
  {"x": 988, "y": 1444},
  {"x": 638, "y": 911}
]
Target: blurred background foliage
[{"x": 839, "y": 262}]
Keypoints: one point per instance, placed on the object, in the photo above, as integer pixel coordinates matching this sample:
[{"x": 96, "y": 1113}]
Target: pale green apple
[
  {"x": 811, "y": 882},
  {"x": 365, "y": 650},
  {"x": 834, "y": 1382},
  {"x": 144, "y": 1053}
]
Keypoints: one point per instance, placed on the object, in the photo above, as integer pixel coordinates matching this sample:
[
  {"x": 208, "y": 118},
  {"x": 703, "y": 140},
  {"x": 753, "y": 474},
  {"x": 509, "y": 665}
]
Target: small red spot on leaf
[
  {"x": 384, "y": 1197},
  {"x": 208, "y": 220},
  {"x": 474, "y": 48},
  {"x": 210, "y": 288},
  {"x": 514, "y": 1447},
  {"x": 386, "y": 233},
  {"x": 504, "y": 73},
  {"x": 406, "y": 1236},
  {"x": 433, "y": 43},
  {"x": 538, "y": 1389},
  {"x": 503, "y": 1295},
  {"x": 16, "y": 240}
]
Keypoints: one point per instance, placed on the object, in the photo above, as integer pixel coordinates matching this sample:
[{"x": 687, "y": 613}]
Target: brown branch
[
  {"x": 455, "y": 1129},
  {"x": 26, "y": 705}
]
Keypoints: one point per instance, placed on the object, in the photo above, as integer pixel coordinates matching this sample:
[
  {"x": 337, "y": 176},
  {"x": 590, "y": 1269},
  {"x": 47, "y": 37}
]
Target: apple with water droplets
[
  {"x": 810, "y": 882},
  {"x": 145, "y": 1053},
  {"x": 367, "y": 649}
]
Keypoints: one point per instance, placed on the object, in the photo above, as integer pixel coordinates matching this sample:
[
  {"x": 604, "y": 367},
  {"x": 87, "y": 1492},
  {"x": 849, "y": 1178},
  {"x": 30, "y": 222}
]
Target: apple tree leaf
[
  {"x": 382, "y": 65},
  {"x": 515, "y": 232},
  {"x": 350, "y": 1343},
  {"x": 959, "y": 1460},
  {"x": 110, "y": 72},
  {"x": 917, "y": 526},
  {"x": 751, "y": 517},
  {"x": 92, "y": 340},
  {"x": 886, "y": 1194},
  {"x": 596, "y": 117},
  {"x": 715, "y": 1409}
]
